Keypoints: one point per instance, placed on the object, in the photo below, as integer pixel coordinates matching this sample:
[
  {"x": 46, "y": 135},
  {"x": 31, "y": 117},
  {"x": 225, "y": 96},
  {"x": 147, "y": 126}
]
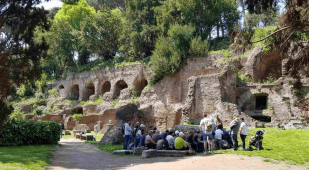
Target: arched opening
[
  {"x": 61, "y": 87},
  {"x": 74, "y": 92},
  {"x": 89, "y": 90},
  {"x": 260, "y": 102},
  {"x": 139, "y": 85},
  {"x": 77, "y": 110},
  {"x": 106, "y": 87},
  {"x": 120, "y": 85}
]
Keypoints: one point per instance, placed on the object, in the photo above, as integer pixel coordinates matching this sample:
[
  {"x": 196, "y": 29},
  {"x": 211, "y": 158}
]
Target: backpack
[{"x": 225, "y": 144}]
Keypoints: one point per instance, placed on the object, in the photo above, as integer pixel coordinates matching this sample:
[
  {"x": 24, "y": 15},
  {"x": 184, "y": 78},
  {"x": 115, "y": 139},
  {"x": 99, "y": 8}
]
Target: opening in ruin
[
  {"x": 61, "y": 87},
  {"x": 106, "y": 87},
  {"x": 261, "y": 102},
  {"x": 74, "y": 92},
  {"x": 262, "y": 118},
  {"x": 89, "y": 90},
  {"x": 120, "y": 85},
  {"x": 139, "y": 85},
  {"x": 77, "y": 110}
]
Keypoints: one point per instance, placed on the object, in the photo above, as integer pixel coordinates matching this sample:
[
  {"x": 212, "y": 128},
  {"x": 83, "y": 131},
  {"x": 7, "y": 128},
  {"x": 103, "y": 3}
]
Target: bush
[
  {"x": 17, "y": 115},
  {"x": 221, "y": 43},
  {"x": 25, "y": 132},
  {"x": 77, "y": 117}
]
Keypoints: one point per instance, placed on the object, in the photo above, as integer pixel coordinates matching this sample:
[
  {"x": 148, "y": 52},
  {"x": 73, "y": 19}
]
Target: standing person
[
  {"x": 243, "y": 132},
  {"x": 127, "y": 135},
  {"x": 96, "y": 130},
  {"x": 206, "y": 127},
  {"x": 62, "y": 128},
  {"x": 235, "y": 125}
]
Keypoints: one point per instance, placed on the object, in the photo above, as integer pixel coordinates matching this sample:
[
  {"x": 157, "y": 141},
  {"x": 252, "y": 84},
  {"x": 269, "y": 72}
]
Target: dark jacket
[{"x": 234, "y": 125}]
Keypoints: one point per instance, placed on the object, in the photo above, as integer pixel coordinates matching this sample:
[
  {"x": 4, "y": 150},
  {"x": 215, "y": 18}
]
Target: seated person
[
  {"x": 198, "y": 141},
  {"x": 155, "y": 136},
  {"x": 218, "y": 136},
  {"x": 190, "y": 140},
  {"x": 180, "y": 143},
  {"x": 163, "y": 143},
  {"x": 149, "y": 142},
  {"x": 170, "y": 139}
]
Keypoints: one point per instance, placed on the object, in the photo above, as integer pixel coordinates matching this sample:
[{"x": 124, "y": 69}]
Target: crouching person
[
  {"x": 180, "y": 143},
  {"x": 149, "y": 142}
]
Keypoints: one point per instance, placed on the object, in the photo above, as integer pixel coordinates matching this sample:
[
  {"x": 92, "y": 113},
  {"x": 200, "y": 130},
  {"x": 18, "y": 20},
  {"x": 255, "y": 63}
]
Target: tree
[
  {"x": 52, "y": 12},
  {"x": 98, "y": 4},
  {"x": 19, "y": 55},
  {"x": 139, "y": 29},
  {"x": 100, "y": 32}
]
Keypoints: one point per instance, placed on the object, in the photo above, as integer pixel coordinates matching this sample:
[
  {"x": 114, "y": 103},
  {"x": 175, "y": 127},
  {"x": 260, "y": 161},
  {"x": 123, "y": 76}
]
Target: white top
[
  {"x": 147, "y": 139},
  {"x": 203, "y": 124},
  {"x": 218, "y": 134},
  {"x": 170, "y": 139},
  {"x": 128, "y": 130},
  {"x": 139, "y": 133},
  {"x": 244, "y": 127}
]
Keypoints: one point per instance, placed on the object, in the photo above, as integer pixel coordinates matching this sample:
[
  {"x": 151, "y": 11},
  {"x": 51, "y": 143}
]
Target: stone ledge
[
  {"x": 170, "y": 153},
  {"x": 126, "y": 152}
]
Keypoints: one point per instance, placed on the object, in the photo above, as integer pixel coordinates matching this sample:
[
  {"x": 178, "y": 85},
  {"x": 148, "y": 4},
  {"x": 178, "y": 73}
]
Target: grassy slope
[
  {"x": 289, "y": 145},
  {"x": 25, "y": 157}
]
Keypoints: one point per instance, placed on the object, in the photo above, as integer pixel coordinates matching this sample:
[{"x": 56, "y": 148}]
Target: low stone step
[
  {"x": 170, "y": 153},
  {"x": 121, "y": 152}
]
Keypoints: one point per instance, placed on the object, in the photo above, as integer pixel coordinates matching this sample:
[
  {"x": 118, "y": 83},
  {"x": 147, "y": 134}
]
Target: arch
[
  {"x": 106, "y": 87},
  {"x": 74, "y": 92},
  {"x": 77, "y": 110},
  {"x": 89, "y": 90},
  {"x": 120, "y": 85},
  {"x": 139, "y": 85},
  {"x": 61, "y": 87}
]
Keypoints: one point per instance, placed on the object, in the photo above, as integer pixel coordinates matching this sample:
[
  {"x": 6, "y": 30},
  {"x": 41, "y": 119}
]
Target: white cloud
[{"x": 51, "y": 4}]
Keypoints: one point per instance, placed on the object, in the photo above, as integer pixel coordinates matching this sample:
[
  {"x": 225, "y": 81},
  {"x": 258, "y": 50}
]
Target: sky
[{"x": 51, "y": 4}]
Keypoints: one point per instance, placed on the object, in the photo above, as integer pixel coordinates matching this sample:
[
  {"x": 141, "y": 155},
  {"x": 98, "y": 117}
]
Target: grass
[
  {"x": 107, "y": 147},
  {"x": 25, "y": 157},
  {"x": 291, "y": 146},
  {"x": 99, "y": 136}
]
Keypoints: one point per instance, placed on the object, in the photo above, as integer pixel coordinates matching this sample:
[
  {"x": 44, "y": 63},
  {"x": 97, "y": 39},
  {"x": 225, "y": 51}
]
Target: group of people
[{"x": 210, "y": 133}]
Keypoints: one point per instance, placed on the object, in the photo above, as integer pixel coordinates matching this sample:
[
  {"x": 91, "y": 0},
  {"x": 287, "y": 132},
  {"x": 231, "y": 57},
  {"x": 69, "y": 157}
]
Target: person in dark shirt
[
  {"x": 198, "y": 141},
  {"x": 190, "y": 140},
  {"x": 62, "y": 128}
]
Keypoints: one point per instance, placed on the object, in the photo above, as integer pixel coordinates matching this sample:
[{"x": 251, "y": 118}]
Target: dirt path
[{"x": 75, "y": 154}]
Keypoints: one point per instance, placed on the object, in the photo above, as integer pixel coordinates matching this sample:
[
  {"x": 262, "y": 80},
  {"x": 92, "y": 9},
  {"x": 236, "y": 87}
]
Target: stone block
[
  {"x": 84, "y": 137},
  {"x": 149, "y": 153},
  {"x": 121, "y": 152},
  {"x": 67, "y": 132},
  {"x": 76, "y": 131},
  {"x": 175, "y": 153},
  {"x": 77, "y": 135},
  {"x": 139, "y": 150}
]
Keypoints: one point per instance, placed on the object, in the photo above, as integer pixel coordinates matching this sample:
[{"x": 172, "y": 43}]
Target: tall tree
[
  {"x": 19, "y": 55},
  {"x": 98, "y": 4}
]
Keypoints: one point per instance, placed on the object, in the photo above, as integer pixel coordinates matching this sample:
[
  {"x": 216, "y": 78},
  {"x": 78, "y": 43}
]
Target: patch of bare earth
[{"x": 75, "y": 154}]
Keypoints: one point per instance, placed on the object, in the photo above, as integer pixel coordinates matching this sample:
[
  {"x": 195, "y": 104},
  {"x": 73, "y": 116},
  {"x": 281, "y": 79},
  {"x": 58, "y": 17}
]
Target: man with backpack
[
  {"x": 243, "y": 132},
  {"x": 235, "y": 125}
]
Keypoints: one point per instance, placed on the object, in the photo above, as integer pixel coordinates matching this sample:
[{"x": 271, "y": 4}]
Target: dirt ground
[{"x": 75, "y": 154}]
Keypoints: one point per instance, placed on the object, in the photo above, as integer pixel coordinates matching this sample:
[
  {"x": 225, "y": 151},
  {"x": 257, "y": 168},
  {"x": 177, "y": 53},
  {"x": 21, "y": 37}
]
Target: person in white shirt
[
  {"x": 206, "y": 127},
  {"x": 243, "y": 132},
  {"x": 127, "y": 134},
  {"x": 218, "y": 135},
  {"x": 138, "y": 136},
  {"x": 96, "y": 130},
  {"x": 170, "y": 139}
]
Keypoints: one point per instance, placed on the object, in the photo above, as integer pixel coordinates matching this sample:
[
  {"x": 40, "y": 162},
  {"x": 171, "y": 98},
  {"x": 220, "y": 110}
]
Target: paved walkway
[{"x": 75, "y": 154}]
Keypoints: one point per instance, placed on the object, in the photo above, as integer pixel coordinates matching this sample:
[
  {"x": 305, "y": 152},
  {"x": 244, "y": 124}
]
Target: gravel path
[{"x": 75, "y": 154}]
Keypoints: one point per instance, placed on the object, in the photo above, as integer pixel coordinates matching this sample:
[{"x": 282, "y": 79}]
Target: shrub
[
  {"x": 221, "y": 43},
  {"x": 77, "y": 117},
  {"x": 25, "y": 132},
  {"x": 17, "y": 115}
]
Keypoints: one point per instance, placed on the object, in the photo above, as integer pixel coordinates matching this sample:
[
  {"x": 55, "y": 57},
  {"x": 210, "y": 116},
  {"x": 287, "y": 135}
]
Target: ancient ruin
[{"x": 202, "y": 86}]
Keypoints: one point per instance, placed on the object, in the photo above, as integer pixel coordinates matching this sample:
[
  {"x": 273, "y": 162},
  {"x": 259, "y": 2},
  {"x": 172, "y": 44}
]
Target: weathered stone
[
  {"x": 184, "y": 128},
  {"x": 67, "y": 132},
  {"x": 253, "y": 60},
  {"x": 28, "y": 117},
  {"x": 175, "y": 153},
  {"x": 149, "y": 153},
  {"x": 25, "y": 108},
  {"x": 139, "y": 150},
  {"x": 77, "y": 135},
  {"x": 113, "y": 135},
  {"x": 189, "y": 100},
  {"x": 122, "y": 152},
  {"x": 76, "y": 131}
]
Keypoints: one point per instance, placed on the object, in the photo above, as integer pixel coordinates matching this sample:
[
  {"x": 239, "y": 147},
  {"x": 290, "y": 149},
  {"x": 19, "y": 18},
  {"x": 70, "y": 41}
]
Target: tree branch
[{"x": 271, "y": 34}]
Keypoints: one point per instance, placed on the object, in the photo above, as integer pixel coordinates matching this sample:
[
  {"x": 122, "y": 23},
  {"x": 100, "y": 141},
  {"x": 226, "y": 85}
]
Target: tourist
[
  {"x": 243, "y": 132},
  {"x": 176, "y": 134},
  {"x": 96, "y": 130},
  {"x": 206, "y": 127},
  {"x": 209, "y": 137},
  {"x": 198, "y": 142},
  {"x": 163, "y": 143},
  {"x": 170, "y": 139},
  {"x": 218, "y": 121},
  {"x": 149, "y": 142},
  {"x": 235, "y": 125},
  {"x": 218, "y": 136},
  {"x": 138, "y": 136},
  {"x": 156, "y": 135},
  {"x": 127, "y": 135},
  {"x": 213, "y": 128},
  {"x": 190, "y": 140},
  {"x": 143, "y": 137},
  {"x": 181, "y": 144},
  {"x": 62, "y": 128}
]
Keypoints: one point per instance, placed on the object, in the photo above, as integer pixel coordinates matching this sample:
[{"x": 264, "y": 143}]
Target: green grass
[
  {"x": 107, "y": 147},
  {"x": 25, "y": 157},
  {"x": 99, "y": 136},
  {"x": 291, "y": 146}
]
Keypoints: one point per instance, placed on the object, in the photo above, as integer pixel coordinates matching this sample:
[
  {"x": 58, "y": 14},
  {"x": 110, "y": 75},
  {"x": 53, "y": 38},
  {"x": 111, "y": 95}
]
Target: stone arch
[
  {"x": 88, "y": 91},
  {"x": 74, "y": 92},
  {"x": 106, "y": 87},
  {"x": 77, "y": 110},
  {"x": 61, "y": 87},
  {"x": 120, "y": 85},
  {"x": 139, "y": 85}
]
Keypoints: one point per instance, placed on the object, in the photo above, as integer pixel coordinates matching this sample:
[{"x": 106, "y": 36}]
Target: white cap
[
  {"x": 176, "y": 132},
  {"x": 142, "y": 125},
  {"x": 181, "y": 134}
]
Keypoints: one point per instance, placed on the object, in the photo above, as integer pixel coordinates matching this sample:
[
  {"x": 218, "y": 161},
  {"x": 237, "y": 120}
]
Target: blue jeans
[
  {"x": 200, "y": 146},
  {"x": 219, "y": 142},
  {"x": 235, "y": 141},
  {"x": 126, "y": 141},
  {"x": 137, "y": 141},
  {"x": 61, "y": 133}
]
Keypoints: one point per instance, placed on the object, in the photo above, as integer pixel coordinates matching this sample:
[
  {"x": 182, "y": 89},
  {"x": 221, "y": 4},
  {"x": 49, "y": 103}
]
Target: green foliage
[
  {"x": 171, "y": 52},
  {"x": 221, "y": 43},
  {"x": 277, "y": 145},
  {"x": 25, "y": 90},
  {"x": 52, "y": 92},
  {"x": 267, "y": 18},
  {"x": 18, "y": 115},
  {"x": 241, "y": 78},
  {"x": 269, "y": 80},
  {"x": 114, "y": 102},
  {"x": 25, "y": 157},
  {"x": 23, "y": 132},
  {"x": 134, "y": 96},
  {"x": 259, "y": 33},
  {"x": 77, "y": 117}
]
